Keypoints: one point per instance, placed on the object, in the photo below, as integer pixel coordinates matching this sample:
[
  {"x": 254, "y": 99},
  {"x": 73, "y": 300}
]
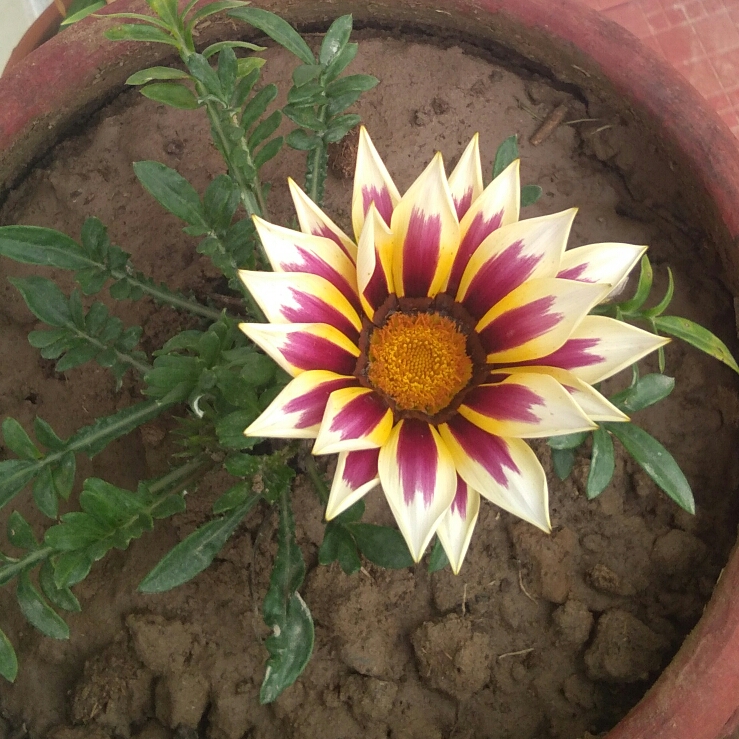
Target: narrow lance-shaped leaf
[
  {"x": 42, "y": 246},
  {"x": 437, "y": 559},
  {"x": 647, "y": 391},
  {"x": 278, "y": 30},
  {"x": 507, "y": 152},
  {"x": 602, "y": 463},
  {"x": 382, "y": 545},
  {"x": 38, "y": 612},
  {"x": 285, "y": 612},
  {"x": 172, "y": 191},
  {"x": 171, "y": 93},
  {"x": 8, "y": 660}
]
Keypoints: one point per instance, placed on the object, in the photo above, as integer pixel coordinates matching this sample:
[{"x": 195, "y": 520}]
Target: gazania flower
[{"x": 426, "y": 352}]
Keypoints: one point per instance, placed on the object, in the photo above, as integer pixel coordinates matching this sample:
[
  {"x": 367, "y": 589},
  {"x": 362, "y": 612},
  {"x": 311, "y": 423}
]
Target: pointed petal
[
  {"x": 294, "y": 251},
  {"x": 458, "y": 523},
  {"x": 374, "y": 263},
  {"x": 426, "y": 234},
  {"x": 465, "y": 182},
  {"x": 536, "y": 318},
  {"x": 505, "y": 471},
  {"x": 418, "y": 477},
  {"x": 593, "y": 404},
  {"x": 498, "y": 206},
  {"x": 511, "y": 255},
  {"x": 372, "y": 184},
  {"x": 609, "y": 263},
  {"x": 356, "y": 474},
  {"x": 599, "y": 347},
  {"x": 356, "y": 418},
  {"x": 297, "y": 411},
  {"x": 298, "y": 297},
  {"x": 314, "y": 221},
  {"x": 525, "y": 406},
  {"x": 299, "y": 347}
]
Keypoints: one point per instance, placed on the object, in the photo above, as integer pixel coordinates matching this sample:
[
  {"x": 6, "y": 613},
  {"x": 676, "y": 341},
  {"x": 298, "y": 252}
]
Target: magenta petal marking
[
  {"x": 574, "y": 273},
  {"x": 519, "y": 325},
  {"x": 308, "y": 352},
  {"x": 490, "y": 452},
  {"x": 359, "y": 416},
  {"x": 360, "y": 467},
  {"x": 381, "y": 198},
  {"x": 376, "y": 290},
  {"x": 311, "y": 405},
  {"x": 571, "y": 355},
  {"x": 326, "y": 232},
  {"x": 418, "y": 459},
  {"x": 479, "y": 230},
  {"x": 316, "y": 266},
  {"x": 420, "y": 253},
  {"x": 459, "y": 504},
  {"x": 310, "y": 309},
  {"x": 507, "y": 402},
  {"x": 463, "y": 204}
]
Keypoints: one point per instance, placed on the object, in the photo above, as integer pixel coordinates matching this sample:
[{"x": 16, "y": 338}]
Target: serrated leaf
[
  {"x": 506, "y": 154},
  {"x": 171, "y": 190},
  {"x": 437, "y": 559},
  {"x": 37, "y": 612},
  {"x": 194, "y": 553},
  {"x": 20, "y": 533},
  {"x": 15, "y": 474},
  {"x": 697, "y": 336},
  {"x": 656, "y": 461},
  {"x": 8, "y": 660},
  {"x": 44, "y": 299},
  {"x": 42, "y": 246},
  {"x": 277, "y": 29},
  {"x": 156, "y": 73},
  {"x": 382, "y": 545},
  {"x": 648, "y": 390},
  {"x": 61, "y": 597},
  {"x": 563, "y": 460},
  {"x": 602, "y": 463},
  {"x": 18, "y": 441}
]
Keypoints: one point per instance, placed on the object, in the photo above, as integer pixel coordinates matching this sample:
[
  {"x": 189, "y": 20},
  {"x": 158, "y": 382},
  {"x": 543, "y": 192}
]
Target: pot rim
[{"x": 697, "y": 695}]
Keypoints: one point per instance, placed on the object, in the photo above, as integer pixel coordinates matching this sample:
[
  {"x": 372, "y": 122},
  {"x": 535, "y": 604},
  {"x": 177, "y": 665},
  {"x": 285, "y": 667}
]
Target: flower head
[{"x": 426, "y": 352}]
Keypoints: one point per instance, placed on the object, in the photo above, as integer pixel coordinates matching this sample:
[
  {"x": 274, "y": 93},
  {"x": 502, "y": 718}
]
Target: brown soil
[{"x": 539, "y": 636}]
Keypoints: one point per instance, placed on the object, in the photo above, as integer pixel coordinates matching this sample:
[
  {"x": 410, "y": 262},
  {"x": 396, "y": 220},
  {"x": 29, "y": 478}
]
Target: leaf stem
[{"x": 315, "y": 476}]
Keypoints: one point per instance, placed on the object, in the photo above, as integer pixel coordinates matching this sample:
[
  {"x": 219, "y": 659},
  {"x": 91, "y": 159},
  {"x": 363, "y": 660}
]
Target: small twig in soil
[
  {"x": 580, "y": 69},
  {"x": 551, "y": 122},
  {"x": 523, "y": 587},
  {"x": 526, "y": 109},
  {"x": 581, "y": 120},
  {"x": 601, "y": 128},
  {"x": 464, "y": 600},
  {"x": 516, "y": 654},
  {"x": 364, "y": 572}
]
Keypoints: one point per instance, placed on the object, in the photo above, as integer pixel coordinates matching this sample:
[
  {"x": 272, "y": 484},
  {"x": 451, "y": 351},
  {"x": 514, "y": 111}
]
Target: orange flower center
[{"x": 419, "y": 360}]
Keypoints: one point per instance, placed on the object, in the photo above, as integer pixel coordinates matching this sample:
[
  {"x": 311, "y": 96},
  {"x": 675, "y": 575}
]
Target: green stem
[
  {"x": 8, "y": 572},
  {"x": 316, "y": 479},
  {"x": 142, "y": 367}
]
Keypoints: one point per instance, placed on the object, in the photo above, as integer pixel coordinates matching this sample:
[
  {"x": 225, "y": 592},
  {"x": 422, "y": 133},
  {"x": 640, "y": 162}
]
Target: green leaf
[
  {"x": 602, "y": 463},
  {"x": 335, "y": 39},
  {"x": 15, "y": 474},
  {"x": 343, "y": 59},
  {"x": 216, "y": 7},
  {"x": 202, "y": 71},
  {"x": 647, "y": 390},
  {"x": 305, "y": 73},
  {"x": 643, "y": 288},
  {"x": 8, "y": 660},
  {"x": 172, "y": 94},
  {"x": 506, "y": 154},
  {"x": 347, "y": 554},
  {"x": 291, "y": 642},
  {"x": 232, "y": 498},
  {"x": 661, "y": 307},
  {"x": 20, "y": 533},
  {"x": 140, "y": 32},
  {"x": 697, "y": 336},
  {"x": 171, "y": 190},
  {"x": 383, "y": 545},
  {"x": 44, "y": 299},
  {"x": 46, "y": 435},
  {"x": 80, "y": 14},
  {"x": 278, "y": 30},
  {"x": 38, "y": 612},
  {"x": 437, "y": 559},
  {"x": 18, "y": 441},
  {"x": 305, "y": 117},
  {"x": 194, "y": 553},
  {"x": 269, "y": 151},
  {"x": 340, "y": 127},
  {"x": 656, "y": 461},
  {"x": 221, "y": 45},
  {"x": 71, "y": 568},
  {"x": 44, "y": 493},
  {"x": 265, "y": 129},
  {"x": 230, "y": 430},
  {"x": 568, "y": 441},
  {"x": 530, "y": 194},
  {"x": 256, "y": 107},
  {"x": 42, "y": 246},
  {"x": 77, "y": 531},
  {"x": 258, "y": 369},
  {"x": 109, "y": 505},
  {"x": 563, "y": 460},
  {"x": 220, "y": 202},
  {"x": 351, "y": 83},
  {"x": 157, "y": 73},
  {"x": 302, "y": 140},
  {"x": 61, "y": 597}
]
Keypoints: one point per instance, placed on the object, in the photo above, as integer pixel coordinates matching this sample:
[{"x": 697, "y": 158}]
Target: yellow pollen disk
[{"x": 419, "y": 360}]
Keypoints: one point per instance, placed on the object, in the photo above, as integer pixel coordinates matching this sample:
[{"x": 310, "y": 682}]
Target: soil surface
[{"x": 539, "y": 636}]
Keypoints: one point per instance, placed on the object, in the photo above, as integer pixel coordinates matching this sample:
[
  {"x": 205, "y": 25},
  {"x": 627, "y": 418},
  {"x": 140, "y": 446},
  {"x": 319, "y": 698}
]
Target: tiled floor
[{"x": 700, "y": 38}]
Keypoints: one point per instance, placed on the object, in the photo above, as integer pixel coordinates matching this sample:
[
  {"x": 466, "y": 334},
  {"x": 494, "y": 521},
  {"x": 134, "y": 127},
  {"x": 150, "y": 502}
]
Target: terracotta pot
[{"x": 697, "y": 696}]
